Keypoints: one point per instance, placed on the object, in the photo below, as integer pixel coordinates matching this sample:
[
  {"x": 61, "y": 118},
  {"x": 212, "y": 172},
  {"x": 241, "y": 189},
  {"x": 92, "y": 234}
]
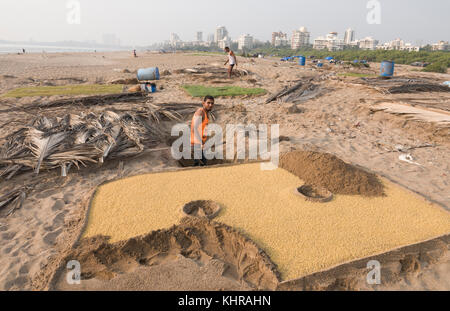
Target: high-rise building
[
  {"x": 210, "y": 38},
  {"x": 245, "y": 42},
  {"x": 199, "y": 36},
  {"x": 300, "y": 38},
  {"x": 279, "y": 39},
  {"x": 221, "y": 32},
  {"x": 349, "y": 36}
]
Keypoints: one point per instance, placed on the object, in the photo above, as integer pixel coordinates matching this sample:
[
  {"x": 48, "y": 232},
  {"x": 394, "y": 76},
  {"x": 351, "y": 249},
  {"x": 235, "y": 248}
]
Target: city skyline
[
  {"x": 413, "y": 21},
  {"x": 301, "y": 39}
]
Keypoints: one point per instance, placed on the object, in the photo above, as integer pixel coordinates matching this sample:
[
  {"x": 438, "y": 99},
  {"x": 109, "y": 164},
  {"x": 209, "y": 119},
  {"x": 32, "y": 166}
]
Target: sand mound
[
  {"x": 236, "y": 261},
  {"x": 326, "y": 170}
]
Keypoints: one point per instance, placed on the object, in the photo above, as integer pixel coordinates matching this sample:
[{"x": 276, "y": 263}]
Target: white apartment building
[
  {"x": 221, "y": 33},
  {"x": 279, "y": 39},
  {"x": 224, "y": 42},
  {"x": 441, "y": 46},
  {"x": 399, "y": 45},
  {"x": 330, "y": 42},
  {"x": 174, "y": 39},
  {"x": 300, "y": 38},
  {"x": 245, "y": 42},
  {"x": 349, "y": 36},
  {"x": 368, "y": 43}
]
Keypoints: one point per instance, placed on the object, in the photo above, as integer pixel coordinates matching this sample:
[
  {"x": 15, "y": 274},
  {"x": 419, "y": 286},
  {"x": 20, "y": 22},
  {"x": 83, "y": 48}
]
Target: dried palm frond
[
  {"x": 15, "y": 198},
  {"x": 60, "y": 142},
  {"x": 42, "y": 146}
]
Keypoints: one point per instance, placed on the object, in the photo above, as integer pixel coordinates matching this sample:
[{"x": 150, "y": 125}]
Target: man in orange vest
[{"x": 198, "y": 130}]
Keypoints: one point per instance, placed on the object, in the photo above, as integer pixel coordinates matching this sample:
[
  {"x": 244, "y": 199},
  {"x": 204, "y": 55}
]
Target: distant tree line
[{"x": 439, "y": 60}]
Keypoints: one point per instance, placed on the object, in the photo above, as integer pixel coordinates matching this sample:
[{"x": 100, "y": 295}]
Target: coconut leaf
[{"x": 43, "y": 146}]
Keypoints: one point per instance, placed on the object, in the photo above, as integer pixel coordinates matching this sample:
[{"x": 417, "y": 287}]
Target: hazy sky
[{"x": 141, "y": 22}]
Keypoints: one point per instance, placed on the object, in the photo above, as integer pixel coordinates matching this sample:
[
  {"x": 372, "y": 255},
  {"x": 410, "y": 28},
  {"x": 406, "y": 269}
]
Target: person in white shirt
[{"x": 232, "y": 60}]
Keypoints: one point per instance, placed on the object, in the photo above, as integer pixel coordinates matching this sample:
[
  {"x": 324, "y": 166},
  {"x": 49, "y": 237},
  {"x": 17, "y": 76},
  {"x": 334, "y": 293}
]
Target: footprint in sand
[
  {"x": 50, "y": 238},
  {"x": 7, "y": 250},
  {"x": 8, "y": 235},
  {"x": 24, "y": 269},
  {"x": 68, "y": 198},
  {"x": 18, "y": 283},
  {"x": 59, "y": 204},
  {"x": 48, "y": 193},
  {"x": 57, "y": 222}
]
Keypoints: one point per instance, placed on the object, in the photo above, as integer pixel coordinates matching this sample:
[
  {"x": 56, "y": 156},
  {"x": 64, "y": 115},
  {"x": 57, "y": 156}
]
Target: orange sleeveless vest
[{"x": 201, "y": 129}]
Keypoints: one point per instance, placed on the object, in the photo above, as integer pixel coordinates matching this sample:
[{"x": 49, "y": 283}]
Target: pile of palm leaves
[
  {"x": 420, "y": 87},
  {"x": 73, "y": 140},
  {"x": 398, "y": 85}
]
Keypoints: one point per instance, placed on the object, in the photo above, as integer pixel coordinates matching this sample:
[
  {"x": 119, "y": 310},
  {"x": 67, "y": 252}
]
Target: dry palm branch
[
  {"x": 398, "y": 85},
  {"x": 73, "y": 140},
  {"x": 15, "y": 198},
  {"x": 302, "y": 86},
  {"x": 85, "y": 101},
  {"x": 418, "y": 87}
]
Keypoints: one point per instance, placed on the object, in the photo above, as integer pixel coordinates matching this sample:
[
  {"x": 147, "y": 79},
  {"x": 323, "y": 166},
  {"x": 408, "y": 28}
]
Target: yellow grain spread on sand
[{"x": 300, "y": 237}]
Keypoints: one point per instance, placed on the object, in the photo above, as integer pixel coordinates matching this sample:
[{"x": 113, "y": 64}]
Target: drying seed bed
[{"x": 301, "y": 237}]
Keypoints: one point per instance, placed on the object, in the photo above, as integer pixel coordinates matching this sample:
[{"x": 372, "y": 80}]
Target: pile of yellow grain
[{"x": 300, "y": 237}]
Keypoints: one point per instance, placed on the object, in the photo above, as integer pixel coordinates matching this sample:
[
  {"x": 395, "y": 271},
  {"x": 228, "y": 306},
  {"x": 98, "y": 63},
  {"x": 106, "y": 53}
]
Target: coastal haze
[{"x": 139, "y": 23}]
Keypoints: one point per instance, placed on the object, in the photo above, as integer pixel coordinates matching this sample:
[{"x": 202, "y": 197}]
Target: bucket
[
  {"x": 145, "y": 74},
  {"x": 387, "y": 69},
  {"x": 302, "y": 60}
]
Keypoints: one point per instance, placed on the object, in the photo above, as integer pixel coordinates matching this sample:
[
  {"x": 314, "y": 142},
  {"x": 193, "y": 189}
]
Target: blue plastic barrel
[
  {"x": 302, "y": 60},
  {"x": 146, "y": 74},
  {"x": 387, "y": 69}
]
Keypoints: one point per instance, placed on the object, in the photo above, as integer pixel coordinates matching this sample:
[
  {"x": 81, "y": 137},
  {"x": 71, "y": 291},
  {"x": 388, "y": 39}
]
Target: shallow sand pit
[
  {"x": 202, "y": 208},
  {"x": 300, "y": 237},
  {"x": 314, "y": 193}
]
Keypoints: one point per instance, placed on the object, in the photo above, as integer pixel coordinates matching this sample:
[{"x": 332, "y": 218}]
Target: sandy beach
[{"x": 341, "y": 115}]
